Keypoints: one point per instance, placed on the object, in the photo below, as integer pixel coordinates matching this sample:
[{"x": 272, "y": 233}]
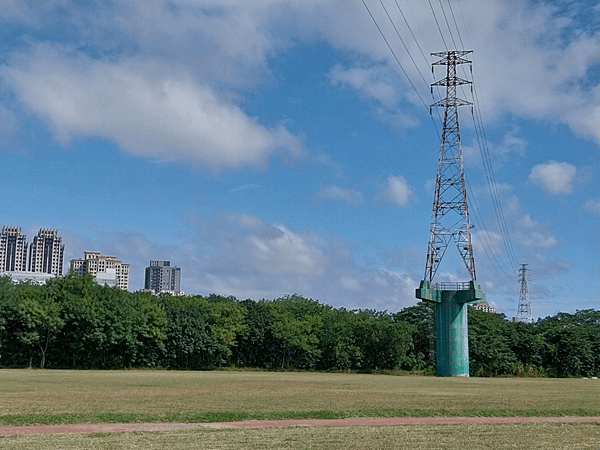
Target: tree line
[{"x": 72, "y": 322}]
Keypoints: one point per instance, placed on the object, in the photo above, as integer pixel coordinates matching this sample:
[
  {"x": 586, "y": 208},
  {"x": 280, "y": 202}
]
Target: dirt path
[{"x": 111, "y": 427}]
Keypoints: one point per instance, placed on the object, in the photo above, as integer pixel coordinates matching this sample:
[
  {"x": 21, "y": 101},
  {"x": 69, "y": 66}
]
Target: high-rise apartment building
[
  {"x": 13, "y": 250},
  {"x": 106, "y": 269},
  {"x": 46, "y": 252},
  {"x": 162, "y": 277}
]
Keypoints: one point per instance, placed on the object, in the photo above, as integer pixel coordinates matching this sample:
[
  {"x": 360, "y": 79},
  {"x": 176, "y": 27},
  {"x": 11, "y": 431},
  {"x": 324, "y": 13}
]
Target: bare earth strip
[{"x": 112, "y": 427}]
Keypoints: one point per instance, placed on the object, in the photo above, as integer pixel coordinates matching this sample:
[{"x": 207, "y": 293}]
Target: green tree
[
  {"x": 37, "y": 320},
  {"x": 528, "y": 345},
  {"x": 189, "y": 343},
  {"x": 574, "y": 343},
  {"x": 489, "y": 344},
  {"x": 422, "y": 317},
  {"x": 299, "y": 336},
  {"x": 81, "y": 340},
  {"x": 225, "y": 320},
  {"x": 257, "y": 345},
  {"x": 337, "y": 341},
  {"x": 8, "y": 298},
  {"x": 384, "y": 342}
]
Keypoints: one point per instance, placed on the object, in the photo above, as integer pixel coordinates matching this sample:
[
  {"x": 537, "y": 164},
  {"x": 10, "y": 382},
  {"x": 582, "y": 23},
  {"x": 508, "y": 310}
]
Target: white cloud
[
  {"x": 511, "y": 146},
  {"x": 547, "y": 268},
  {"x": 249, "y": 258},
  {"x": 334, "y": 192},
  {"x": 533, "y": 234},
  {"x": 397, "y": 191},
  {"x": 146, "y": 112},
  {"x": 8, "y": 124},
  {"x": 380, "y": 84},
  {"x": 527, "y": 43},
  {"x": 190, "y": 56},
  {"x": 555, "y": 177},
  {"x": 485, "y": 241},
  {"x": 592, "y": 205},
  {"x": 373, "y": 82}
]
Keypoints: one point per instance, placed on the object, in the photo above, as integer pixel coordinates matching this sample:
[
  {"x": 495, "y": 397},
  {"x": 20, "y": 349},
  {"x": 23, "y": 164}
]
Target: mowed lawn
[
  {"x": 55, "y": 396},
  {"x": 414, "y": 437}
]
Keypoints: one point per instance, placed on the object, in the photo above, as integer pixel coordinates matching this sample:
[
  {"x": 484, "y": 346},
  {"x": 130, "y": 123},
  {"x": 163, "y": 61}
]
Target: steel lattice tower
[
  {"x": 450, "y": 222},
  {"x": 524, "y": 308},
  {"x": 450, "y": 217}
]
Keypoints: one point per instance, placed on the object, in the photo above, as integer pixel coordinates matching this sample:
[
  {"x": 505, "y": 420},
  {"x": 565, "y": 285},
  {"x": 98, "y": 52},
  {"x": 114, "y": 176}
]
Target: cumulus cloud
[
  {"x": 397, "y": 191},
  {"x": 162, "y": 116},
  {"x": 554, "y": 177},
  {"x": 215, "y": 50},
  {"x": 533, "y": 234},
  {"x": 592, "y": 205},
  {"x": 8, "y": 124},
  {"x": 372, "y": 82},
  {"x": 244, "y": 256},
  {"x": 334, "y": 192},
  {"x": 511, "y": 145},
  {"x": 567, "y": 94},
  {"x": 485, "y": 241},
  {"x": 548, "y": 268},
  {"x": 247, "y": 257}
]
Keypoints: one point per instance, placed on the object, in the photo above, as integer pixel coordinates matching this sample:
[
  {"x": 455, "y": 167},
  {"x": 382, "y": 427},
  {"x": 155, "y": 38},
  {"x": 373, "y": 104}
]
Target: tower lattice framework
[
  {"x": 450, "y": 222},
  {"x": 450, "y": 216},
  {"x": 524, "y": 308}
]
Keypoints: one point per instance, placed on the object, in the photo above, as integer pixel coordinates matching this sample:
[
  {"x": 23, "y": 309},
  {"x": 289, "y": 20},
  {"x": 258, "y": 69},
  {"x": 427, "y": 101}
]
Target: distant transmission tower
[
  {"x": 450, "y": 222},
  {"x": 524, "y": 308}
]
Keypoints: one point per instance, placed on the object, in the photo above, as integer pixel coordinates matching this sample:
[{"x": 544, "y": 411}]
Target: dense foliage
[{"x": 72, "y": 322}]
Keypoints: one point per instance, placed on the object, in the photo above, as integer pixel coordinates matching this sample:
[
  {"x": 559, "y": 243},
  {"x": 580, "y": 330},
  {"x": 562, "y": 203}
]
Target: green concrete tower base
[{"x": 451, "y": 324}]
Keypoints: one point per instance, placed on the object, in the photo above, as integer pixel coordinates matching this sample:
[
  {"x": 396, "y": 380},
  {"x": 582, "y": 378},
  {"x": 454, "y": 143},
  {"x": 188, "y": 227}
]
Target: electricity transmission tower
[
  {"x": 524, "y": 308},
  {"x": 450, "y": 222},
  {"x": 450, "y": 217}
]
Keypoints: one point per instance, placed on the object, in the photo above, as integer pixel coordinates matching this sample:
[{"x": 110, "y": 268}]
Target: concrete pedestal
[{"x": 451, "y": 324}]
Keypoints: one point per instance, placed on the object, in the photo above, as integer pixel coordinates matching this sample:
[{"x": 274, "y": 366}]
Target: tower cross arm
[
  {"x": 452, "y": 102},
  {"x": 453, "y": 81},
  {"x": 452, "y": 57}
]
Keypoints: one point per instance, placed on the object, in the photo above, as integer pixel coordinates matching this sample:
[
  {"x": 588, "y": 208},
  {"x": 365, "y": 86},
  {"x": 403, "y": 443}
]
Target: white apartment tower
[
  {"x": 13, "y": 250},
  {"x": 106, "y": 269},
  {"x": 484, "y": 306},
  {"x": 46, "y": 252},
  {"x": 162, "y": 277}
]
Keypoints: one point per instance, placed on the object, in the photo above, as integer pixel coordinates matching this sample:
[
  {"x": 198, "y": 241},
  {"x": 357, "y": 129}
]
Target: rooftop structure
[
  {"x": 13, "y": 250},
  {"x": 484, "y": 306},
  {"x": 46, "y": 252},
  {"x": 102, "y": 267},
  {"x": 162, "y": 277}
]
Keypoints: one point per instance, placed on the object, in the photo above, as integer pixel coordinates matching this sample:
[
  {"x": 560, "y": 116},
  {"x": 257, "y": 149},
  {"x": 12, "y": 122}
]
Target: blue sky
[{"x": 277, "y": 147}]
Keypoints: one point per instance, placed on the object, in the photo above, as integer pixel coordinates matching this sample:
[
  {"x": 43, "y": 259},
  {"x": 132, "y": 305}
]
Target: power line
[
  {"x": 403, "y": 43},
  {"x": 447, "y": 24},
  {"x": 484, "y": 151},
  {"x": 438, "y": 25},
  {"x": 411, "y": 32},
  {"x": 393, "y": 53},
  {"x": 485, "y": 240},
  {"x": 455, "y": 24},
  {"x": 422, "y": 54},
  {"x": 488, "y": 247},
  {"x": 492, "y": 185},
  {"x": 399, "y": 64}
]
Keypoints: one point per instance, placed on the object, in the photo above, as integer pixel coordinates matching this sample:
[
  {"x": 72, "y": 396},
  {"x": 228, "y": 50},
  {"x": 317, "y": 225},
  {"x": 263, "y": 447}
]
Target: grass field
[
  {"x": 56, "y": 396},
  {"x": 448, "y": 437}
]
